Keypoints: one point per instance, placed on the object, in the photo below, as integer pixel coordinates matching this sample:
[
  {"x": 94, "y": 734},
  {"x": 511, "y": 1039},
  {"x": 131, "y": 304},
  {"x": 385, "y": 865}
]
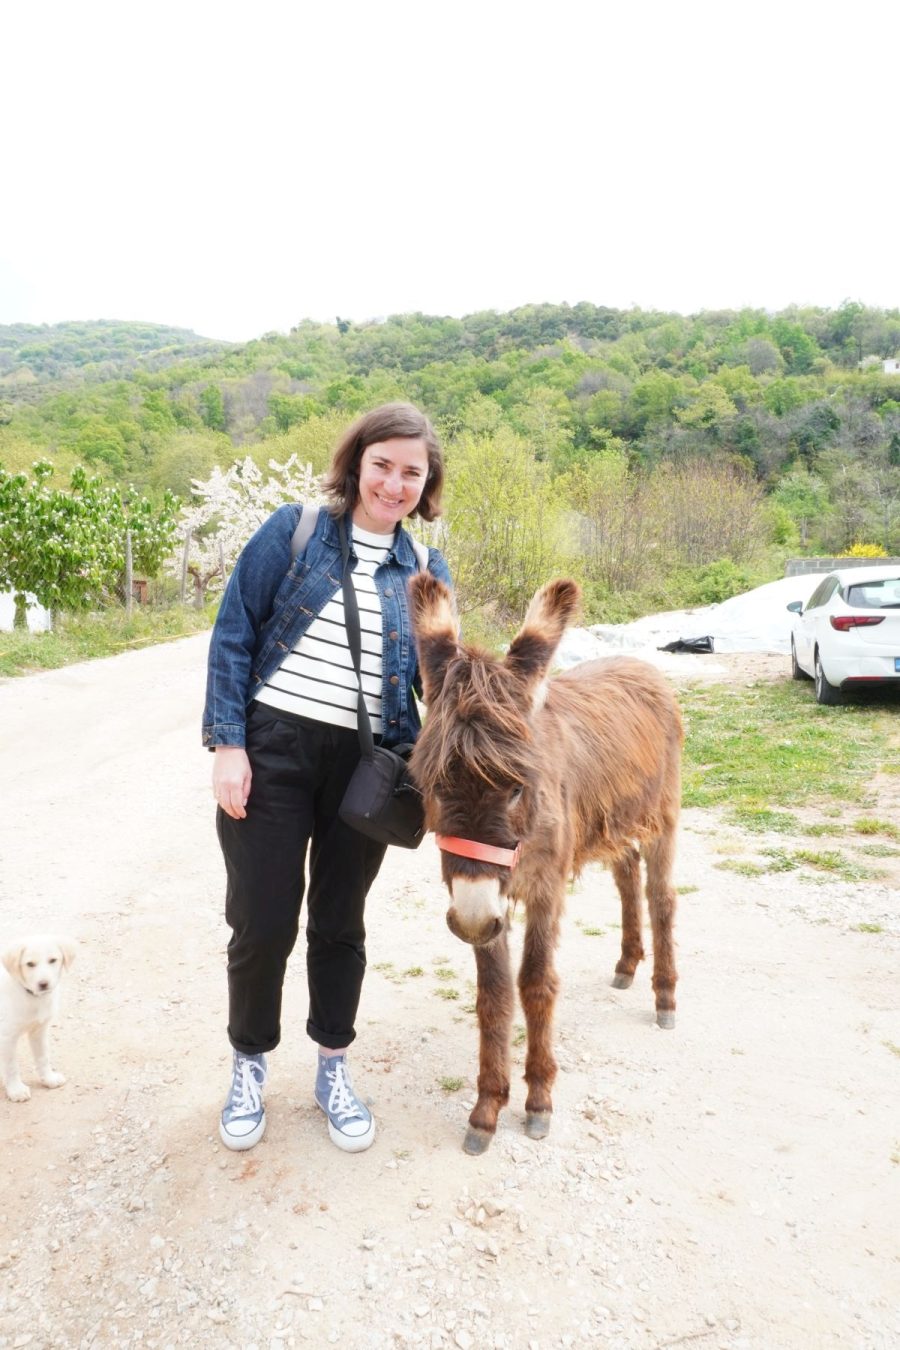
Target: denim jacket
[{"x": 269, "y": 603}]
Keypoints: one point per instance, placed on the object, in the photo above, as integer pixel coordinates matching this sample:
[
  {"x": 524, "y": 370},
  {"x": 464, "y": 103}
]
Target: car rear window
[{"x": 875, "y": 594}]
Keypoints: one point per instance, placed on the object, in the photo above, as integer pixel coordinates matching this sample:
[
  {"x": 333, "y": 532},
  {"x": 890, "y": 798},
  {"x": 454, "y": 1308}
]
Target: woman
[{"x": 281, "y": 713}]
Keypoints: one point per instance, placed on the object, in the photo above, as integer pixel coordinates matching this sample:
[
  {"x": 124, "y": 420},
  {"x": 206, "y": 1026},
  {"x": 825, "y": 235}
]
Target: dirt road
[{"x": 733, "y": 1184}]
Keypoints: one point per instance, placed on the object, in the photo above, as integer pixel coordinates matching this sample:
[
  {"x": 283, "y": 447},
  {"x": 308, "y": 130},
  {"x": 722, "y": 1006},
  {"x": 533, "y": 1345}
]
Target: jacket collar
[{"x": 402, "y": 550}]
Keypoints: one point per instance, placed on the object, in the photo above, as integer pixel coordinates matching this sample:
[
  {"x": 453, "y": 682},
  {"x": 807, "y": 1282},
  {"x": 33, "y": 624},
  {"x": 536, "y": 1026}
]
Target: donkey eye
[{"x": 516, "y": 795}]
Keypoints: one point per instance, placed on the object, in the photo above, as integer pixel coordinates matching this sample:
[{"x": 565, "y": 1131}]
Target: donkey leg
[
  {"x": 494, "y": 1006},
  {"x": 626, "y": 872},
  {"x": 538, "y": 988},
  {"x": 659, "y": 856}
]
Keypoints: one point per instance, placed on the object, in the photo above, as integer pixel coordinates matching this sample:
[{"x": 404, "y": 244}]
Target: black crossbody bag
[{"x": 381, "y": 800}]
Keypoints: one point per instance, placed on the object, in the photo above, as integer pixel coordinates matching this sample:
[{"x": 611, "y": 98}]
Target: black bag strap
[{"x": 354, "y": 639}]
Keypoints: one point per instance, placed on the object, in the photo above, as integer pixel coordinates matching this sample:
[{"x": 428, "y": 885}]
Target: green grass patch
[
  {"x": 823, "y": 831},
  {"x": 768, "y": 746},
  {"x": 445, "y": 973},
  {"x": 452, "y": 1084},
  {"x": 743, "y": 869},
  {"x": 413, "y": 972},
  {"x": 686, "y": 890},
  {"x": 894, "y": 1049},
  {"x": 870, "y": 825},
  {"x": 760, "y": 820},
  {"x": 389, "y": 971},
  {"x": 446, "y": 992},
  {"x": 520, "y": 1035},
  {"x": 835, "y": 863},
  {"x": 880, "y": 850},
  {"x": 86, "y": 637},
  {"x": 867, "y": 928},
  {"x": 779, "y": 860}
]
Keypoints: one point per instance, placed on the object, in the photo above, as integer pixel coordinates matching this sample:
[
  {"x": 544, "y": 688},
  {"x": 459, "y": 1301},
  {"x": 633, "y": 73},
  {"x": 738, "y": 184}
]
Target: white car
[{"x": 847, "y": 635}]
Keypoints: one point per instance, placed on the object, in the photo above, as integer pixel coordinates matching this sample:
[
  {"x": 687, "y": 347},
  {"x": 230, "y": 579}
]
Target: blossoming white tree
[{"x": 227, "y": 508}]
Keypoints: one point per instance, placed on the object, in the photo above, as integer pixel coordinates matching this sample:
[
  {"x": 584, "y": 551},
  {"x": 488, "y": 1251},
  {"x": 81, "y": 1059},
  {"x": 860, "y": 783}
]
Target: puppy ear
[
  {"x": 68, "y": 951},
  {"x": 11, "y": 957}
]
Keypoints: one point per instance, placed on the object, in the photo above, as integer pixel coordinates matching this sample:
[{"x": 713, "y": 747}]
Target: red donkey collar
[{"x": 471, "y": 848}]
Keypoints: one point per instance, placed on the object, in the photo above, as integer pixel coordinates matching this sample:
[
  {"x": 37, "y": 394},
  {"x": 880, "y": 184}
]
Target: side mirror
[{"x": 796, "y": 606}]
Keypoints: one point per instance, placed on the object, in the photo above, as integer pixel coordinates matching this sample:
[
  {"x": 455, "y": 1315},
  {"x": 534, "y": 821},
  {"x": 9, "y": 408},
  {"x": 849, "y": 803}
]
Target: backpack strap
[
  {"x": 421, "y": 552},
  {"x": 304, "y": 532}
]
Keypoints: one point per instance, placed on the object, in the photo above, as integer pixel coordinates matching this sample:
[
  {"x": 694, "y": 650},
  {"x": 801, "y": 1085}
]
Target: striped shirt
[{"x": 317, "y": 678}]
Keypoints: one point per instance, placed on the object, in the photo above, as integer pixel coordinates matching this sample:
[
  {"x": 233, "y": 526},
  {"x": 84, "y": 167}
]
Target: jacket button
[
  {"x": 393, "y": 635},
  {"x": 395, "y": 679},
  {"x": 389, "y": 591},
  {"x": 392, "y": 722}
]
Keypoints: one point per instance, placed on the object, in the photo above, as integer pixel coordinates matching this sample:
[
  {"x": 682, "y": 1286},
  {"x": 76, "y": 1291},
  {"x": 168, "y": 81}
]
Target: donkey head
[{"x": 474, "y": 759}]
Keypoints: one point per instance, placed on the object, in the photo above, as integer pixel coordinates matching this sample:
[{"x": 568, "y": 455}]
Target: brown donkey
[{"x": 526, "y": 779}]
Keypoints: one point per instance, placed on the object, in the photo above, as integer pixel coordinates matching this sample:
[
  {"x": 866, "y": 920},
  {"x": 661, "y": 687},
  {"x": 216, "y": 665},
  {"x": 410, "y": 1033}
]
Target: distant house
[{"x": 891, "y": 366}]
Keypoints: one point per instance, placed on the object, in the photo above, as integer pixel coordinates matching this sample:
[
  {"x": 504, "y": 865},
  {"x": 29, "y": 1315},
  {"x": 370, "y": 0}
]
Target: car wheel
[
  {"x": 826, "y": 693},
  {"x": 797, "y": 672}
]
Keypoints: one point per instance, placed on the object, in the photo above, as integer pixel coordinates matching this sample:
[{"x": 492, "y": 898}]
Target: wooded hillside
[{"x": 605, "y": 417}]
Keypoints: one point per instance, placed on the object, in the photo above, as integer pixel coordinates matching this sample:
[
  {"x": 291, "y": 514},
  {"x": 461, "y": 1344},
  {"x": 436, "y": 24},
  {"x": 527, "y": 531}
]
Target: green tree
[
  {"x": 99, "y": 442},
  {"x": 212, "y": 407},
  {"x": 804, "y": 496},
  {"x": 709, "y": 408},
  {"x": 67, "y": 549},
  {"x": 799, "y": 350},
  {"x": 655, "y": 398},
  {"x": 501, "y": 523}
]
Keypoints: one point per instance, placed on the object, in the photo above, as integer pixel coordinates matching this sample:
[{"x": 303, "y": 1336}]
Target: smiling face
[{"x": 392, "y": 476}]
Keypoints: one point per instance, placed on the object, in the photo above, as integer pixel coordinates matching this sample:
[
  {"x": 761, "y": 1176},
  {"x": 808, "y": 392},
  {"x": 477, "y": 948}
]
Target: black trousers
[{"x": 300, "y": 770}]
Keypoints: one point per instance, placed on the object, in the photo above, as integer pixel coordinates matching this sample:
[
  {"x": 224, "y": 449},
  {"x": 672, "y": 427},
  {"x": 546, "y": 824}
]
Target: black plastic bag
[{"x": 697, "y": 644}]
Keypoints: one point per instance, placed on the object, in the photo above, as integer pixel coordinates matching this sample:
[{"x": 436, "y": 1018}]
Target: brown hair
[{"x": 341, "y": 482}]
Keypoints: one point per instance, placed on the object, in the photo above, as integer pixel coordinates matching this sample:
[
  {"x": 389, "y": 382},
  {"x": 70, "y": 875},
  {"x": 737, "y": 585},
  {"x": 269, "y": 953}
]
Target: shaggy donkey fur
[{"x": 580, "y": 767}]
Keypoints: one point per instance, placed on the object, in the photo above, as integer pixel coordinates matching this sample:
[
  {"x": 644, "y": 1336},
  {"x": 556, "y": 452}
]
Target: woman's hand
[{"x": 231, "y": 779}]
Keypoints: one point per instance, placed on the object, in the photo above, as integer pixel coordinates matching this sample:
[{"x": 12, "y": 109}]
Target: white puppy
[{"x": 28, "y": 1000}]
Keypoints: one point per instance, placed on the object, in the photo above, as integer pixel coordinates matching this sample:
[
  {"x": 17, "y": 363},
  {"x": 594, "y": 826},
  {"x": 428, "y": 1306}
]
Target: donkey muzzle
[{"x": 478, "y": 911}]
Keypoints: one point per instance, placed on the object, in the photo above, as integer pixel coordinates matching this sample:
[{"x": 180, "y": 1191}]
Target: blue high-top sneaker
[
  {"x": 243, "y": 1120},
  {"x": 350, "y": 1122}
]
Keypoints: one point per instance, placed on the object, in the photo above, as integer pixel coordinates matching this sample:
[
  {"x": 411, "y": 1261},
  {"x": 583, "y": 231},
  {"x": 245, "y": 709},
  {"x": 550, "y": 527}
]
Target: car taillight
[{"x": 844, "y": 622}]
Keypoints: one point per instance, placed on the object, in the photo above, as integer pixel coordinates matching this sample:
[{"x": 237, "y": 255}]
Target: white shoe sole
[
  {"x": 239, "y": 1142},
  {"x": 348, "y": 1142}
]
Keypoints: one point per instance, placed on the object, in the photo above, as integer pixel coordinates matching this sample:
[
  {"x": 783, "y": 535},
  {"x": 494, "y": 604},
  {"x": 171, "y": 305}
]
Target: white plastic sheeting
[
  {"x": 37, "y": 617},
  {"x": 757, "y": 621}
]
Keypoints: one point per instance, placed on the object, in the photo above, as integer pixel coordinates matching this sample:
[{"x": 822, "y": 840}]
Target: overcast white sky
[{"x": 233, "y": 168}]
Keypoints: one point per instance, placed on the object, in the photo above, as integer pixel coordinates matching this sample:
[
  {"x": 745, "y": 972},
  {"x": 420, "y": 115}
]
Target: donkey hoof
[
  {"x": 622, "y": 981},
  {"x": 477, "y": 1141},
  {"x": 537, "y": 1124},
  {"x": 665, "y": 1019}
]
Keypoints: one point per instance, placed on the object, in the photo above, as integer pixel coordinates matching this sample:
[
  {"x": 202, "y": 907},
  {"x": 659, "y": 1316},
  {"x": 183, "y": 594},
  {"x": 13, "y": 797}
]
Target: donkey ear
[
  {"x": 436, "y": 628},
  {"x": 549, "y": 615}
]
